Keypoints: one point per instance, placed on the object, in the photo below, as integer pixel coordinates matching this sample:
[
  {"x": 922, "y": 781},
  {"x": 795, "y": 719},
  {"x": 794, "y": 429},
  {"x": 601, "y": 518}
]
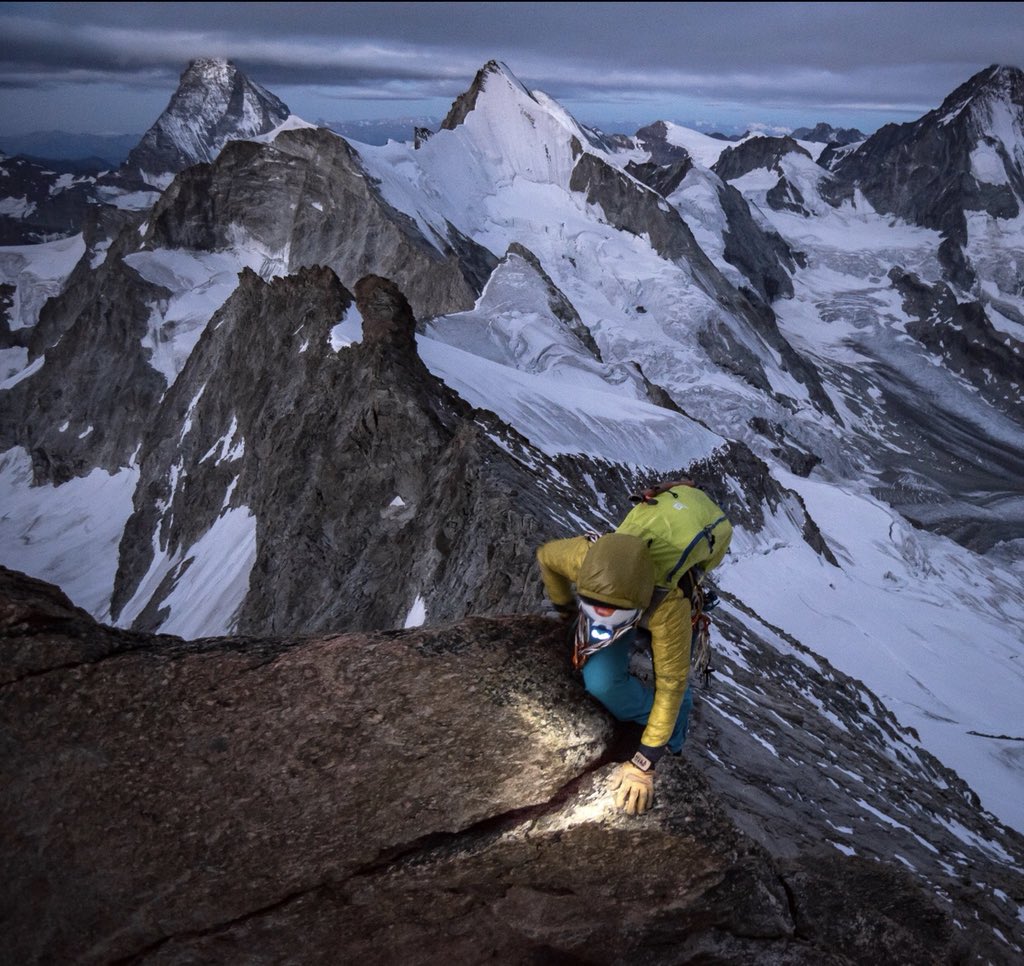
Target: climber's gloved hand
[
  {"x": 634, "y": 789},
  {"x": 566, "y": 613}
]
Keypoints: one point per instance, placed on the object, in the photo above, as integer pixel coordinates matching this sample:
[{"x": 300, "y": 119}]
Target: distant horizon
[
  {"x": 734, "y": 119},
  {"x": 377, "y": 127}
]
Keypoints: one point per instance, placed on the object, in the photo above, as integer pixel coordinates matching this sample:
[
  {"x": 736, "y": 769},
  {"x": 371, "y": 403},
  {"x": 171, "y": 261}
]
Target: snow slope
[
  {"x": 51, "y": 532},
  {"x": 929, "y": 626},
  {"x": 502, "y": 176},
  {"x": 37, "y": 272},
  {"x": 912, "y": 615}
]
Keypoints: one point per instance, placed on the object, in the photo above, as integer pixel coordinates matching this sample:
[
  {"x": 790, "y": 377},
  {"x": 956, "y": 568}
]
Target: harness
[{"x": 700, "y": 649}]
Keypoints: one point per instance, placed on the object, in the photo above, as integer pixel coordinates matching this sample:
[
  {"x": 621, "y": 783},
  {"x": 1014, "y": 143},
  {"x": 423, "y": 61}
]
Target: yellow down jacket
[{"x": 669, "y": 617}]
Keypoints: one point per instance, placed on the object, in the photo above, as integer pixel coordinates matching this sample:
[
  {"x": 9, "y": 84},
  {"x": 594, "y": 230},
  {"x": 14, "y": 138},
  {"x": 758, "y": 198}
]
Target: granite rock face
[
  {"x": 306, "y": 200},
  {"x": 437, "y": 795},
  {"x": 192, "y": 785},
  {"x": 372, "y": 484}
]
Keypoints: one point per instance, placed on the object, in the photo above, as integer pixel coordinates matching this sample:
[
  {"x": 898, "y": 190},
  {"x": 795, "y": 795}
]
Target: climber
[{"x": 645, "y": 575}]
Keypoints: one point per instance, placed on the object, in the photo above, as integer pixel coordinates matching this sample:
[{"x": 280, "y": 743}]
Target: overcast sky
[{"x": 111, "y": 67}]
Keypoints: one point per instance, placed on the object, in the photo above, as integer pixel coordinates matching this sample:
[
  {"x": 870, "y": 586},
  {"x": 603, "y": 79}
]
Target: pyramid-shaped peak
[
  {"x": 498, "y": 68},
  {"x": 466, "y": 101},
  {"x": 213, "y": 73},
  {"x": 1001, "y": 77},
  {"x": 214, "y": 103}
]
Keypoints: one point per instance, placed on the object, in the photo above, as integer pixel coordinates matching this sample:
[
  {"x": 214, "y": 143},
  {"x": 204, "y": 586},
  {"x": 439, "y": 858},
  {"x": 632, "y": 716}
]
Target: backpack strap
[
  {"x": 707, "y": 533},
  {"x": 660, "y": 593}
]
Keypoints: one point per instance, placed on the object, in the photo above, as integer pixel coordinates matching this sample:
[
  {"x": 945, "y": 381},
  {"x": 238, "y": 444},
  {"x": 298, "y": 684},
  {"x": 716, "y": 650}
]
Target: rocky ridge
[
  {"x": 328, "y": 445},
  {"x": 823, "y": 133},
  {"x": 630, "y": 208},
  {"x": 68, "y": 416},
  {"x": 171, "y": 801},
  {"x": 336, "y": 217},
  {"x": 110, "y": 310},
  {"x": 761, "y": 255},
  {"x": 339, "y": 440}
]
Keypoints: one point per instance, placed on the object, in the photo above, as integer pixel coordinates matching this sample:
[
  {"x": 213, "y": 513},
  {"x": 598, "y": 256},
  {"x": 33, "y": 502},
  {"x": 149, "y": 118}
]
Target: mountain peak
[
  {"x": 1003, "y": 75},
  {"x": 466, "y": 101},
  {"x": 214, "y": 68},
  {"x": 214, "y": 103},
  {"x": 500, "y": 69},
  {"x": 387, "y": 315},
  {"x": 995, "y": 83}
]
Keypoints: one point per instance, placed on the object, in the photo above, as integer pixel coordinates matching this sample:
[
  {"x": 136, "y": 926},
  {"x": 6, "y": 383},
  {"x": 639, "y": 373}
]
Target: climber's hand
[
  {"x": 566, "y": 613},
  {"x": 634, "y": 789}
]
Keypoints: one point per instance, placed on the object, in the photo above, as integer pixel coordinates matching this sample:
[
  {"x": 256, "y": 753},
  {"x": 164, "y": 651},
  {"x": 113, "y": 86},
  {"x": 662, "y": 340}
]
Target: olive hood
[{"x": 617, "y": 570}]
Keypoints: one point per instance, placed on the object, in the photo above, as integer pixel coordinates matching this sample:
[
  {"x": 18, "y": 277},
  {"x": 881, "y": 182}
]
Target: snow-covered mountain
[
  {"x": 973, "y": 198},
  {"x": 223, "y": 419},
  {"x": 213, "y": 104}
]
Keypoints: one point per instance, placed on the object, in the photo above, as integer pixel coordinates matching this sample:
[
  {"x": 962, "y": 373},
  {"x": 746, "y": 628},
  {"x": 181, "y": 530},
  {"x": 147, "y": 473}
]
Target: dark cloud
[
  {"x": 889, "y": 58},
  {"x": 697, "y": 36}
]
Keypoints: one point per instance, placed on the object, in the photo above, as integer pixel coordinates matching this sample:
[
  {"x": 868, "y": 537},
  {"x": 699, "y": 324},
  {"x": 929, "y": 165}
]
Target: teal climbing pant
[{"x": 606, "y": 676}]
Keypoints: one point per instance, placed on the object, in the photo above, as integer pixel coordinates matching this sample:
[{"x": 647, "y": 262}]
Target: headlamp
[{"x": 600, "y": 625}]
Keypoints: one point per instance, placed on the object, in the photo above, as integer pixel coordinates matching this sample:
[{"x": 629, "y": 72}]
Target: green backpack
[
  {"x": 683, "y": 528},
  {"x": 687, "y": 534}
]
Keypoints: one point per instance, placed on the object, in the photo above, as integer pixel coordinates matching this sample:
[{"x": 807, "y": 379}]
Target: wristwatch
[{"x": 641, "y": 761}]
